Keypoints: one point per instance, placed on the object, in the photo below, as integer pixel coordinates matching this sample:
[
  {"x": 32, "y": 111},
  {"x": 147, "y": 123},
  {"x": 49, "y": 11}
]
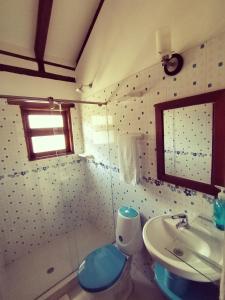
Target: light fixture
[
  {"x": 82, "y": 87},
  {"x": 171, "y": 62}
]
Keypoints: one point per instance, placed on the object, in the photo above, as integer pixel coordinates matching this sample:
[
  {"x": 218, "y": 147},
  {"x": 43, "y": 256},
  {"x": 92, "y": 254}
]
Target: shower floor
[{"x": 32, "y": 275}]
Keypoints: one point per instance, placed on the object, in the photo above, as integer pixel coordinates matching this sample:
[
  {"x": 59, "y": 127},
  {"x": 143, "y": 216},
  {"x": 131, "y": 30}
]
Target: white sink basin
[{"x": 194, "y": 253}]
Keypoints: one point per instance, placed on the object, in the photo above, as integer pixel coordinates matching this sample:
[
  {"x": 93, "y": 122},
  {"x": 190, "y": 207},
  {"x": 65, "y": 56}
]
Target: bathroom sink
[{"x": 194, "y": 253}]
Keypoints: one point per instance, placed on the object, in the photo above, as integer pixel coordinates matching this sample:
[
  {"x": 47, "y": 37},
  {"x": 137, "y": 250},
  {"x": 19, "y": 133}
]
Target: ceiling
[
  {"x": 69, "y": 24},
  {"x": 122, "y": 40},
  {"x": 18, "y": 26},
  {"x": 68, "y": 27}
]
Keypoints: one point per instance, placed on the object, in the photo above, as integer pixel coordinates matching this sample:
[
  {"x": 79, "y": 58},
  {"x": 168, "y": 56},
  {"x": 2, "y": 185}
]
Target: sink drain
[
  {"x": 178, "y": 252},
  {"x": 50, "y": 270}
]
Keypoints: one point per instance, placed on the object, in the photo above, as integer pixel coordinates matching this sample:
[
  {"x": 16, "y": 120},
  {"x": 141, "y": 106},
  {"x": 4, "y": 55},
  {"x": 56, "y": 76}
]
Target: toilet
[{"x": 105, "y": 272}]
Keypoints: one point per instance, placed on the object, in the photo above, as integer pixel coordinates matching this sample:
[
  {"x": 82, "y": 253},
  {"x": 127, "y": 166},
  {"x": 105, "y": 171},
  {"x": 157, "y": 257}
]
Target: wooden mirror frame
[{"x": 218, "y": 147}]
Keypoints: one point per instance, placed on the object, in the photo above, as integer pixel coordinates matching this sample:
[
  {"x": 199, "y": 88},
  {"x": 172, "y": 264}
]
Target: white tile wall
[
  {"x": 39, "y": 200},
  {"x": 99, "y": 194},
  {"x": 203, "y": 71}
]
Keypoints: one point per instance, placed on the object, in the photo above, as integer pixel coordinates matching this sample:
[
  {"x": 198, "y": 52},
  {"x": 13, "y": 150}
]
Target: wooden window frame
[{"x": 29, "y": 133}]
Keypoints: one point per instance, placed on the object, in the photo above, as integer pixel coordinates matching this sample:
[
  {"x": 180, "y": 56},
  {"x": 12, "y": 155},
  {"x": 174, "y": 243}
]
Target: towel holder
[{"x": 137, "y": 135}]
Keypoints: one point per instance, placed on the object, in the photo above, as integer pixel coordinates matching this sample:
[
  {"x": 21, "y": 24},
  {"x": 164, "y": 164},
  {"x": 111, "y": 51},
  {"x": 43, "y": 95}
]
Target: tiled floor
[
  {"x": 27, "y": 278},
  {"x": 142, "y": 291}
]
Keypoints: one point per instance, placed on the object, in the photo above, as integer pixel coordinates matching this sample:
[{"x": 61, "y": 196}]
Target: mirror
[{"x": 190, "y": 141}]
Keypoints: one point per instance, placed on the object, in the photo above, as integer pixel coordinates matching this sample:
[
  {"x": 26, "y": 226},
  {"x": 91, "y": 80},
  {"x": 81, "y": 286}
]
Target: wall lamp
[{"x": 171, "y": 62}]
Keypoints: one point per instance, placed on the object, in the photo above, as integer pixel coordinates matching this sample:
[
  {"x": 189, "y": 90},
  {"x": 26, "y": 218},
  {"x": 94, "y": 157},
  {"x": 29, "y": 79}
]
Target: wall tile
[
  {"x": 203, "y": 71},
  {"x": 39, "y": 200}
]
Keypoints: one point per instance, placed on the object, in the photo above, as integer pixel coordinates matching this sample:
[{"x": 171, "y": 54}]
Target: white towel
[
  {"x": 222, "y": 282},
  {"x": 128, "y": 159}
]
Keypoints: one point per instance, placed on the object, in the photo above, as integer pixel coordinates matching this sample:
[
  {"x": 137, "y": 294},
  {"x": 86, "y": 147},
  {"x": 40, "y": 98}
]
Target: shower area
[{"x": 53, "y": 211}]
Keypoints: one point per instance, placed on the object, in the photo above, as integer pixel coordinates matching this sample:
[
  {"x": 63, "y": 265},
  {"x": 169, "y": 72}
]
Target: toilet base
[{"x": 120, "y": 290}]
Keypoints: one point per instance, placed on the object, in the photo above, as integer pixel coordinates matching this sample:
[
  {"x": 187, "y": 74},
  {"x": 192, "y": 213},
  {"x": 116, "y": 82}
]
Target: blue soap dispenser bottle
[{"x": 219, "y": 211}]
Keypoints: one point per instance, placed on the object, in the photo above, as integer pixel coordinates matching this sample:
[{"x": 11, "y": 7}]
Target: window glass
[
  {"x": 45, "y": 121},
  {"x": 48, "y": 143}
]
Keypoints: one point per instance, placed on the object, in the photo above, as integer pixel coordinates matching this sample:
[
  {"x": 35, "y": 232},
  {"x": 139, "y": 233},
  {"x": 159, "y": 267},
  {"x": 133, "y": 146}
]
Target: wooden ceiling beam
[
  {"x": 89, "y": 31},
  {"x": 43, "y": 20},
  {"x": 34, "y": 73}
]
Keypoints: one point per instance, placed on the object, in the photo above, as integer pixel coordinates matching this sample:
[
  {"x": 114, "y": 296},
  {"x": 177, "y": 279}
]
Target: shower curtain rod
[{"x": 22, "y": 99}]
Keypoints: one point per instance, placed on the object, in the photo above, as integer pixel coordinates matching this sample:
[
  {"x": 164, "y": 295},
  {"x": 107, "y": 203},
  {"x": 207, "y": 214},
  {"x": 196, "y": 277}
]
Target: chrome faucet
[{"x": 183, "y": 223}]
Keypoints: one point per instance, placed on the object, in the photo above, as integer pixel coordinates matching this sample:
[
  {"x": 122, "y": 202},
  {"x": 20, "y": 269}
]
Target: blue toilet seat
[{"x": 101, "y": 268}]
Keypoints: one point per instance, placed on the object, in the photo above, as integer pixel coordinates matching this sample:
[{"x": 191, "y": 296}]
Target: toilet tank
[{"x": 128, "y": 230}]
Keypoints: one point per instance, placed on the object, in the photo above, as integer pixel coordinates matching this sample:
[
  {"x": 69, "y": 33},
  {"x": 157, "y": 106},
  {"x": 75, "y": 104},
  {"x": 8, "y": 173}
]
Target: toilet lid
[{"x": 101, "y": 268}]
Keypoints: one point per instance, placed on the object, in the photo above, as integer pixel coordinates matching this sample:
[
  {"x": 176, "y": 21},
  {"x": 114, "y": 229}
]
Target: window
[{"x": 48, "y": 132}]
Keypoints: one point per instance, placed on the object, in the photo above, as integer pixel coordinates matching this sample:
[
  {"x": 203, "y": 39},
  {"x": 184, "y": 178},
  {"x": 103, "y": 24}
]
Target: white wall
[
  {"x": 123, "y": 39},
  {"x": 40, "y": 199},
  {"x": 22, "y": 85},
  {"x": 203, "y": 71},
  {"x": 12, "y": 137}
]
